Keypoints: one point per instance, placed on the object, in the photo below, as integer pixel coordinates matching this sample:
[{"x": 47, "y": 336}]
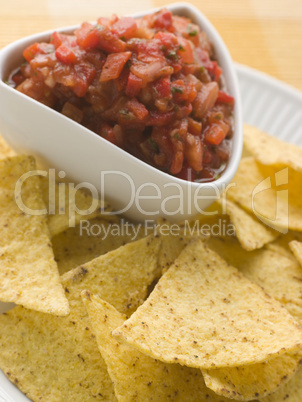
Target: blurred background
[{"x": 263, "y": 34}]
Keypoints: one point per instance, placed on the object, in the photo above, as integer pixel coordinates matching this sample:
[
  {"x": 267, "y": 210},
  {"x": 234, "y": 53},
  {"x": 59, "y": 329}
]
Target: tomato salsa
[{"x": 151, "y": 86}]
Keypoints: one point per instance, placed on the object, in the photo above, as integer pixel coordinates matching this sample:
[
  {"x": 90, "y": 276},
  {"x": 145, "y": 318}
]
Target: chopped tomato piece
[
  {"x": 163, "y": 19},
  {"x": 37, "y": 48},
  {"x": 110, "y": 42},
  {"x": 137, "y": 108},
  {"x": 225, "y": 98},
  {"x": 87, "y": 36},
  {"x": 163, "y": 88},
  {"x": 114, "y": 64},
  {"x": 30, "y": 52},
  {"x": 65, "y": 55},
  {"x": 125, "y": 27},
  {"x": 134, "y": 85},
  {"x": 185, "y": 50},
  {"x": 216, "y": 133}
]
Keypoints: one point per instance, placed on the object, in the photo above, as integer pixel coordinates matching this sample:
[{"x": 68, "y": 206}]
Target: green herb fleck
[
  {"x": 123, "y": 38},
  {"x": 172, "y": 55},
  {"x": 181, "y": 48},
  {"x": 191, "y": 30},
  {"x": 177, "y": 90},
  {"x": 154, "y": 145},
  {"x": 125, "y": 114}
]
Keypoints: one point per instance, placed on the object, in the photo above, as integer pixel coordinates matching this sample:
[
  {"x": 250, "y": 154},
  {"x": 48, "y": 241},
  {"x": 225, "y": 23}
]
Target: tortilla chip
[
  {"x": 290, "y": 392},
  {"x": 279, "y": 276},
  {"x": 296, "y": 248},
  {"x": 281, "y": 244},
  {"x": 203, "y": 313},
  {"x": 269, "y": 150},
  {"x": 273, "y": 194},
  {"x": 56, "y": 358},
  {"x": 28, "y": 272},
  {"x": 137, "y": 377},
  {"x": 63, "y": 200},
  {"x": 81, "y": 244},
  {"x": 255, "y": 381},
  {"x": 251, "y": 233},
  {"x": 5, "y": 149}
]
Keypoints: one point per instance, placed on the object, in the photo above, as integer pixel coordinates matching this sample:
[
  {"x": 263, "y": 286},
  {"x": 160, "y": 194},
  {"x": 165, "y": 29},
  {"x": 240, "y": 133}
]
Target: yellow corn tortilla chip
[
  {"x": 63, "y": 200},
  {"x": 56, "y": 358},
  {"x": 281, "y": 244},
  {"x": 5, "y": 149},
  {"x": 78, "y": 245},
  {"x": 28, "y": 272},
  {"x": 203, "y": 313},
  {"x": 251, "y": 233},
  {"x": 137, "y": 377},
  {"x": 279, "y": 276},
  {"x": 255, "y": 381},
  {"x": 269, "y": 150},
  {"x": 296, "y": 248},
  {"x": 290, "y": 392},
  {"x": 273, "y": 194}
]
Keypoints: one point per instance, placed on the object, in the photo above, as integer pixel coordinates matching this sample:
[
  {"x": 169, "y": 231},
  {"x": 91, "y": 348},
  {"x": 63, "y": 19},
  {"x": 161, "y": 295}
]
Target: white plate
[{"x": 269, "y": 105}]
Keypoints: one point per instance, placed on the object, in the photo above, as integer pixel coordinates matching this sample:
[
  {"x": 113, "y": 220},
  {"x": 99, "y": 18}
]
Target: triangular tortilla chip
[
  {"x": 63, "y": 200},
  {"x": 254, "y": 381},
  {"x": 89, "y": 240},
  {"x": 279, "y": 276},
  {"x": 137, "y": 377},
  {"x": 203, "y": 313},
  {"x": 28, "y": 272},
  {"x": 290, "y": 392},
  {"x": 269, "y": 150},
  {"x": 296, "y": 248},
  {"x": 273, "y": 194},
  {"x": 57, "y": 358},
  {"x": 251, "y": 233}
]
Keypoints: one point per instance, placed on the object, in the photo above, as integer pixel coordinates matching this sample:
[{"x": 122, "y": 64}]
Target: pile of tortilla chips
[{"x": 129, "y": 314}]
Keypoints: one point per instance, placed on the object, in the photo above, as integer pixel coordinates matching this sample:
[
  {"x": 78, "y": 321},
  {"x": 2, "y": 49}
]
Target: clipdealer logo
[{"x": 62, "y": 197}]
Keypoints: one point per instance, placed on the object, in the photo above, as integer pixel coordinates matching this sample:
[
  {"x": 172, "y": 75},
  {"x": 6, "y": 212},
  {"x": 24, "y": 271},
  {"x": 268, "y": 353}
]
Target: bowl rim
[{"x": 232, "y": 83}]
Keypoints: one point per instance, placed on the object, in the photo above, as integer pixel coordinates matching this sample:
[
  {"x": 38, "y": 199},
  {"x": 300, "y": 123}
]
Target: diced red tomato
[
  {"x": 125, "y": 27},
  {"x": 134, "y": 85},
  {"x": 163, "y": 88},
  {"x": 216, "y": 133},
  {"x": 87, "y": 36},
  {"x": 30, "y": 52},
  {"x": 114, "y": 64},
  {"x": 163, "y": 19},
  {"x": 65, "y": 55},
  {"x": 225, "y": 98},
  {"x": 110, "y": 42},
  {"x": 137, "y": 108},
  {"x": 37, "y": 48},
  {"x": 185, "y": 50}
]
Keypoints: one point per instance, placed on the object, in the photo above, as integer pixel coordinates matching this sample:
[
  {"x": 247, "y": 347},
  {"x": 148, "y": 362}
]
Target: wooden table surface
[{"x": 264, "y": 34}]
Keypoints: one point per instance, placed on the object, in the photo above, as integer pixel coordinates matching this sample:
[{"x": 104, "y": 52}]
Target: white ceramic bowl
[{"x": 134, "y": 188}]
